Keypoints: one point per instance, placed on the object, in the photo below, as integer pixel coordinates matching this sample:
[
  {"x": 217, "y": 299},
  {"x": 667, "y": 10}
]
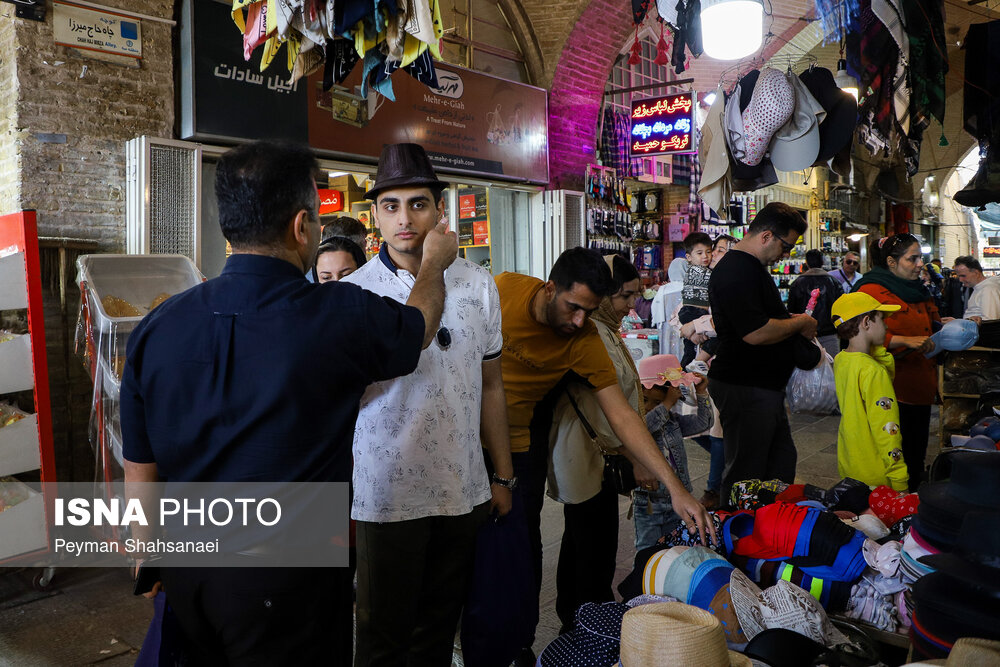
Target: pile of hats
[
  {"x": 785, "y": 541},
  {"x": 774, "y": 120},
  {"x": 972, "y": 487},
  {"x": 983, "y": 436},
  {"x": 697, "y": 576},
  {"x": 962, "y": 597}
]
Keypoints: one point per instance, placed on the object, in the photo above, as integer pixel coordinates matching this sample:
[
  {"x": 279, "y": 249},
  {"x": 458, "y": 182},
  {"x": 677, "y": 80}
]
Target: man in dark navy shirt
[
  {"x": 256, "y": 376},
  {"x": 756, "y": 352}
]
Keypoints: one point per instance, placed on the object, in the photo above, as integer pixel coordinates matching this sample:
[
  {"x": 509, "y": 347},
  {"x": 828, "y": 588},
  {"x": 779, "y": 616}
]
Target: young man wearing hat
[
  {"x": 869, "y": 445},
  {"x": 546, "y": 335},
  {"x": 756, "y": 352},
  {"x": 421, "y": 489}
]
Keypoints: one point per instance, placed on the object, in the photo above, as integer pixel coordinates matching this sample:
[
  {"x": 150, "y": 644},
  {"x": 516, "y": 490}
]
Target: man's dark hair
[
  {"x": 969, "y": 262},
  {"x": 894, "y": 246},
  {"x": 723, "y": 237},
  {"x": 584, "y": 266},
  {"x": 695, "y": 239},
  {"x": 814, "y": 258},
  {"x": 260, "y": 187},
  {"x": 624, "y": 271},
  {"x": 851, "y": 327},
  {"x": 348, "y": 228},
  {"x": 779, "y": 219}
]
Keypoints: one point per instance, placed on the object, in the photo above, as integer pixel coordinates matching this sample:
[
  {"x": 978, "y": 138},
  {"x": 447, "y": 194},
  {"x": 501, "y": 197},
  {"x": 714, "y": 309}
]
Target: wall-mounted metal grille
[{"x": 163, "y": 197}]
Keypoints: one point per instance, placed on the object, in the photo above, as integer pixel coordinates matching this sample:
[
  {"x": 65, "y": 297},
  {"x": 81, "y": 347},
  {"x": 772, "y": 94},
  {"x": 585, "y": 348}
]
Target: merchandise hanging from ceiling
[{"x": 385, "y": 35}]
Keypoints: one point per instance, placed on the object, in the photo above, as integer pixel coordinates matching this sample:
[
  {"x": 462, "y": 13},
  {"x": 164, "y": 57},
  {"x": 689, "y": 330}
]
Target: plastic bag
[{"x": 813, "y": 391}]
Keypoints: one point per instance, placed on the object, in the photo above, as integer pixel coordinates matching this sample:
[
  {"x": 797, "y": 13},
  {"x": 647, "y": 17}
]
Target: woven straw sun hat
[{"x": 674, "y": 633}]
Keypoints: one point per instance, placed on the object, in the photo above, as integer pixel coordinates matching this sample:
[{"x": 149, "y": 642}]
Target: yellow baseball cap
[{"x": 851, "y": 305}]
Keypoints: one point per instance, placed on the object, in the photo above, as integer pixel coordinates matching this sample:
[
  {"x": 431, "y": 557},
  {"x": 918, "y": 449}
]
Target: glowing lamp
[
  {"x": 731, "y": 29},
  {"x": 845, "y": 81}
]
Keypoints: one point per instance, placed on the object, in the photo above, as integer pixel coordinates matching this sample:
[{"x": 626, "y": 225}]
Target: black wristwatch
[{"x": 504, "y": 482}]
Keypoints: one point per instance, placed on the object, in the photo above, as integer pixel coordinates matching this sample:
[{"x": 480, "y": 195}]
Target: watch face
[
  {"x": 634, "y": 205},
  {"x": 650, "y": 201}
]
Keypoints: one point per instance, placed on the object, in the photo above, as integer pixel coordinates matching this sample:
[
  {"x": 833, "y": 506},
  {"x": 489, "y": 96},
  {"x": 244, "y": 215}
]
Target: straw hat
[
  {"x": 673, "y": 633},
  {"x": 967, "y": 652}
]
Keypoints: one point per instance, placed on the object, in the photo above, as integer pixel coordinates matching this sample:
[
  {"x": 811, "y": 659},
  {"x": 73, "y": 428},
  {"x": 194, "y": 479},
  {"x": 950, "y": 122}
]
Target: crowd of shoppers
[{"x": 425, "y": 350}]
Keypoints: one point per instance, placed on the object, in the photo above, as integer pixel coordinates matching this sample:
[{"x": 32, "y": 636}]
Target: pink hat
[
  {"x": 664, "y": 369},
  {"x": 772, "y": 104}
]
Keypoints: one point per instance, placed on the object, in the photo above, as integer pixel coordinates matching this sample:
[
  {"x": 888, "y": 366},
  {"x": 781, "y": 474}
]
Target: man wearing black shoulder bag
[{"x": 760, "y": 344}]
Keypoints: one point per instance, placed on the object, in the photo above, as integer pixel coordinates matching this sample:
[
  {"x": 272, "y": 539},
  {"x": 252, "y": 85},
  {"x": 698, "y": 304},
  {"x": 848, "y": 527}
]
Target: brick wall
[
  {"x": 578, "y": 81},
  {"x": 9, "y": 175},
  {"x": 78, "y": 187}
]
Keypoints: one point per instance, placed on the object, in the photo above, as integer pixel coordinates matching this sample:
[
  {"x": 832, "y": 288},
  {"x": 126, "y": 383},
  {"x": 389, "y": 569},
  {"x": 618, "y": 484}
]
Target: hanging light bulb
[
  {"x": 845, "y": 81},
  {"x": 731, "y": 29}
]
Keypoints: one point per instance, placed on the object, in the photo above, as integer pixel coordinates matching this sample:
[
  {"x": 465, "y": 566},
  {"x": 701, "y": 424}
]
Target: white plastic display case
[{"x": 137, "y": 279}]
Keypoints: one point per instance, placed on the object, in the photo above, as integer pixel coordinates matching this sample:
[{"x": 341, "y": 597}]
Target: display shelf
[
  {"x": 19, "y": 446},
  {"x": 949, "y": 396},
  {"x": 15, "y": 360},
  {"x": 23, "y": 525},
  {"x": 15, "y": 287},
  {"x": 25, "y": 445}
]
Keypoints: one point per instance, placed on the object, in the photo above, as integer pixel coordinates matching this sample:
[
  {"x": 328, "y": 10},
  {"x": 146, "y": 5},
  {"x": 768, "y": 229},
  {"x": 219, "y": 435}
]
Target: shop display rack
[
  {"x": 26, "y": 447},
  {"x": 116, "y": 292},
  {"x": 969, "y": 385}
]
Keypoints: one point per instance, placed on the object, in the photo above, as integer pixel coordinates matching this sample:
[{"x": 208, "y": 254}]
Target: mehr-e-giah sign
[
  {"x": 662, "y": 125},
  {"x": 101, "y": 31}
]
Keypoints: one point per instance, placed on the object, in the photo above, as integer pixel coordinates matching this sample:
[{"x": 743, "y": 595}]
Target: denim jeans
[
  {"x": 654, "y": 517},
  {"x": 716, "y": 448}
]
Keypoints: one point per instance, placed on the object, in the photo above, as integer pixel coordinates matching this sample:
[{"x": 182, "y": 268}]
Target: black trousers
[
  {"x": 588, "y": 555},
  {"x": 413, "y": 577},
  {"x": 755, "y": 430},
  {"x": 262, "y": 616},
  {"x": 914, "y": 428}
]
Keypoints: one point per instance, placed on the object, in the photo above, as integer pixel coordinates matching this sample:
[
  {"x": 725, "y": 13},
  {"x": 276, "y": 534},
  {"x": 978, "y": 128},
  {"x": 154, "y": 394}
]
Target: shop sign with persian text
[
  {"x": 662, "y": 125},
  {"x": 100, "y": 31}
]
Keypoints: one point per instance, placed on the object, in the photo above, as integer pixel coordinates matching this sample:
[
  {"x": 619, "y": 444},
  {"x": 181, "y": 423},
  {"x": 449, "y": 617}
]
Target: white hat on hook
[{"x": 795, "y": 145}]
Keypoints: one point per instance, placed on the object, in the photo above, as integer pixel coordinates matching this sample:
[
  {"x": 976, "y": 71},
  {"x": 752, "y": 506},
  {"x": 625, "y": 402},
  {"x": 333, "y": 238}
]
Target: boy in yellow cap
[{"x": 869, "y": 445}]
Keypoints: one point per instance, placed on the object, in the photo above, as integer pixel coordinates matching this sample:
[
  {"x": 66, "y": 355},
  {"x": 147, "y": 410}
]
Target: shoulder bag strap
[{"x": 583, "y": 420}]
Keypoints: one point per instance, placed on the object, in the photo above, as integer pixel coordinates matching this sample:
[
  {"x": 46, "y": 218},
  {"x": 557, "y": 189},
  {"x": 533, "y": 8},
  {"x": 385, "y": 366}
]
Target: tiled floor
[{"x": 90, "y": 617}]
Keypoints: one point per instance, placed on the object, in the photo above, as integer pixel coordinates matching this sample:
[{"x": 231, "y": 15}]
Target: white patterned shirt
[{"x": 417, "y": 445}]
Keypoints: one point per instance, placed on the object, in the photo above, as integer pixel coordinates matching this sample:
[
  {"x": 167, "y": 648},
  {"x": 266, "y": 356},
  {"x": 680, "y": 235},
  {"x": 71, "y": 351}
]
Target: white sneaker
[{"x": 697, "y": 367}]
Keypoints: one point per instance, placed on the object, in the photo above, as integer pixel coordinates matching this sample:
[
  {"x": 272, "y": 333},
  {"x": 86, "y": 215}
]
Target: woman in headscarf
[
  {"x": 589, "y": 548},
  {"x": 895, "y": 279}
]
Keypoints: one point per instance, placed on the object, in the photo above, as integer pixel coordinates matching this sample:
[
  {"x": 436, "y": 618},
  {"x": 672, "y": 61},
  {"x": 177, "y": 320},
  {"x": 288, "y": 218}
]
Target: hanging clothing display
[{"x": 385, "y": 35}]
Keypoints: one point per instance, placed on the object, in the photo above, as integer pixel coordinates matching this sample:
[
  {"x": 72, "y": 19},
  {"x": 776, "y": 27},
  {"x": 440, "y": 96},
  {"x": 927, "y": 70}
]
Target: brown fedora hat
[{"x": 403, "y": 165}]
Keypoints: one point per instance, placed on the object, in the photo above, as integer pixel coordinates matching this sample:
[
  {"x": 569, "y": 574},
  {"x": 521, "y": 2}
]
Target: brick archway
[
  {"x": 577, "y": 88},
  {"x": 581, "y": 75}
]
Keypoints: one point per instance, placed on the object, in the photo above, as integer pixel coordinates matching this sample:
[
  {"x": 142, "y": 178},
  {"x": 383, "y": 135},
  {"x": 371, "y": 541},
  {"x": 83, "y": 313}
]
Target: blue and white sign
[{"x": 92, "y": 30}]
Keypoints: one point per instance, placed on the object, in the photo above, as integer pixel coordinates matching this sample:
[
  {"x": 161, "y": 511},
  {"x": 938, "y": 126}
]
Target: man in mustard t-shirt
[{"x": 547, "y": 334}]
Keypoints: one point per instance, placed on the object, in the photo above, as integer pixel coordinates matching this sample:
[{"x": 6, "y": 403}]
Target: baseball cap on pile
[
  {"x": 849, "y": 306},
  {"x": 593, "y": 641},
  {"x": 795, "y": 145},
  {"x": 403, "y": 165},
  {"x": 673, "y": 633},
  {"x": 654, "y": 576},
  {"x": 778, "y": 647}
]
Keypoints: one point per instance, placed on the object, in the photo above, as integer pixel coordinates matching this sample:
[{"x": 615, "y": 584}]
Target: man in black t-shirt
[
  {"x": 755, "y": 353},
  {"x": 829, "y": 291}
]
